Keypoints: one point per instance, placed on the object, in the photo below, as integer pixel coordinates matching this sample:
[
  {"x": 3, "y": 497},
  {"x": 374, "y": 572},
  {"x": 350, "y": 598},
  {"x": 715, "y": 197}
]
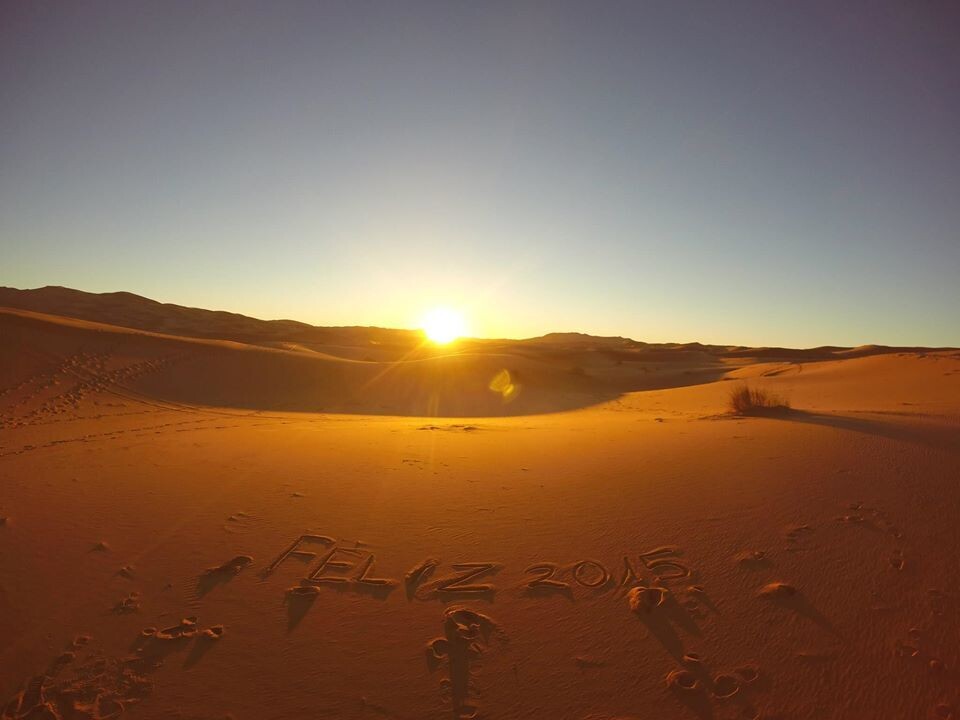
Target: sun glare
[{"x": 443, "y": 325}]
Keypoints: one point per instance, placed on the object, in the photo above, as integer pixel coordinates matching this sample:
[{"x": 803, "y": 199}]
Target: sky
[{"x": 757, "y": 173}]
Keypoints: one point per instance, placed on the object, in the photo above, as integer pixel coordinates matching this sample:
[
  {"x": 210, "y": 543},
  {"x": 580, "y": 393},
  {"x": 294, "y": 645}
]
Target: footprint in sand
[
  {"x": 82, "y": 684},
  {"x": 232, "y": 566},
  {"x": 789, "y": 597},
  {"x": 779, "y": 591},
  {"x": 239, "y": 523},
  {"x": 299, "y": 600},
  {"x": 753, "y": 560},
  {"x": 696, "y": 601},
  {"x": 185, "y": 629},
  {"x": 683, "y": 680},
  {"x": 129, "y": 604},
  {"x": 748, "y": 674},
  {"x": 795, "y": 535},
  {"x": 725, "y": 686},
  {"x": 917, "y": 648},
  {"x": 221, "y": 574},
  {"x": 699, "y": 689},
  {"x": 214, "y": 632},
  {"x": 303, "y": 591},
  {"x": 155, "y": 645},
  {"x": 878, "y": 521},
  {"x": 859, "y": 514}
]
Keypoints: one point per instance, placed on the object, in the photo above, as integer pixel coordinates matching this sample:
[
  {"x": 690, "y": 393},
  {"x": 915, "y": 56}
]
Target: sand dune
[
  {"x": 287, "y": 376},
  {"x": 133, "y": 311},
  {"x": 208, "y": 525},
  {"x": 199, "y": 357}
]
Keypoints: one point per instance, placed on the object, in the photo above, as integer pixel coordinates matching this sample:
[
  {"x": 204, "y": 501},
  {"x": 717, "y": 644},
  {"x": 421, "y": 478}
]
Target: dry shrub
[{"x": 745, "y": 400}]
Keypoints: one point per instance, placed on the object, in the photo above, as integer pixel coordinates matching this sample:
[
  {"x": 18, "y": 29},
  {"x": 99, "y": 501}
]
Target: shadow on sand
[{"x": 910, "y": 428}]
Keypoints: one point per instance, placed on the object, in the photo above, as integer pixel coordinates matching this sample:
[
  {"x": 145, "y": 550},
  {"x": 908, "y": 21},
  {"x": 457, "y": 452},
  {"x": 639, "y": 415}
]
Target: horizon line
[{"x": 477, "y": 337}]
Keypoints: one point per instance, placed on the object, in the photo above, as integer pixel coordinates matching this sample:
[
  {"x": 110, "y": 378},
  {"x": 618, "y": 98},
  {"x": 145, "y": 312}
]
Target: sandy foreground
[{"x": 182, "y": 537}]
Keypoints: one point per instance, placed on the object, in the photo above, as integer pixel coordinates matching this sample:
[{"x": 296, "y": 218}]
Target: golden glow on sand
[{"x": 443, "y": 325}]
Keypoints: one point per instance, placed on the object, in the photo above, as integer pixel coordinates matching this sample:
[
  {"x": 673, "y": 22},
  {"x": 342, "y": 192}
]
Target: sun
[{"x": 443, "y": 325}]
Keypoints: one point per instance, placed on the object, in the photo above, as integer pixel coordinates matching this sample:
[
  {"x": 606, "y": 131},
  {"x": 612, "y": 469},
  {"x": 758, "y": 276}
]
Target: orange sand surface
[{"x": 345, "y": 524}]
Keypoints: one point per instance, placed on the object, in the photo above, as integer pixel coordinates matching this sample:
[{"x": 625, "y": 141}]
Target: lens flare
[{"x": 505, "y": 385}]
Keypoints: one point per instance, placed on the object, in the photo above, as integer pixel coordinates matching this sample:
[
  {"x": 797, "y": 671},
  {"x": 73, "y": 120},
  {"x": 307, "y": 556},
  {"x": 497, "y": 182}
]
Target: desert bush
[{"x": 745, "y": 400}]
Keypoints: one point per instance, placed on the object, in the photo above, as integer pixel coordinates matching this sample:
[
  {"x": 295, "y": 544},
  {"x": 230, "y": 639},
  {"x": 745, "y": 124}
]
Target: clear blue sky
[{"x": 747, "y": 172}]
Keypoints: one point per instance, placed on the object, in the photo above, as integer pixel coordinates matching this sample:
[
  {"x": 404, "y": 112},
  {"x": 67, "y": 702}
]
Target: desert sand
[{"x": 209, "y": 516}]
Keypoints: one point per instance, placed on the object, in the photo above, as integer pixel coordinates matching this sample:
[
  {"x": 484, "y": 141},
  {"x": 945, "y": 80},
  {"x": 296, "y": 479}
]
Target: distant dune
[
  {"x": 202, "y": 357},
  {"x": 133, "y": 311}
]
